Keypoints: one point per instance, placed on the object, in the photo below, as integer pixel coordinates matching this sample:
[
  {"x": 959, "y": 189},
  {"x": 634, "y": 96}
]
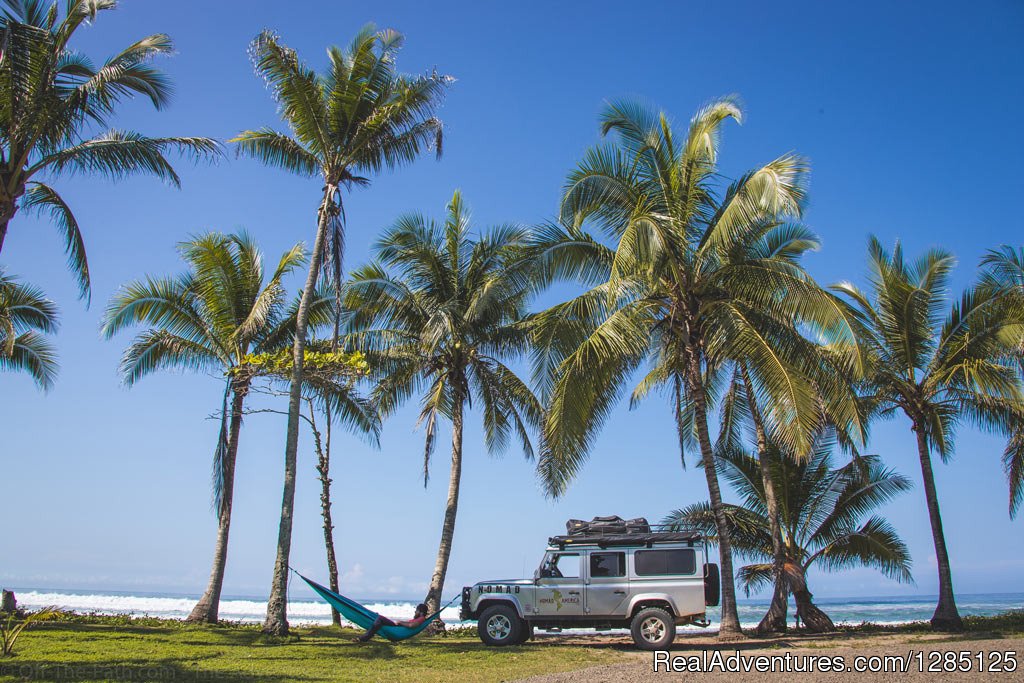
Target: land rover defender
[{"x": 602, "y": 576}]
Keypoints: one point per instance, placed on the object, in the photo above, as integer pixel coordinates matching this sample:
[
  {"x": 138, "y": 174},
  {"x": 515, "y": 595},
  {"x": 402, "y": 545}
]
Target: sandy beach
[{"x": 639, "y": 666}]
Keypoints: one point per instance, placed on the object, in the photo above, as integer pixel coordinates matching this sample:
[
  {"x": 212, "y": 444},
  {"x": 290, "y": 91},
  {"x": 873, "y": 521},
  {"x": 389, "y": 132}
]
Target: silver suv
[{"x": 646, "y": 582}]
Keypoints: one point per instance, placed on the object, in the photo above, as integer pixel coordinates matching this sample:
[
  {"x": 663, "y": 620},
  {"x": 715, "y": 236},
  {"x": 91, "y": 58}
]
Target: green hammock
[{"x": 360, "y": 616}]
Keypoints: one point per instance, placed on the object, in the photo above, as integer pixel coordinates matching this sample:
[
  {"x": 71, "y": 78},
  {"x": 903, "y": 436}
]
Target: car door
[
  {"x": 560, "y": 585},
  {"x": 606, "y": 583}
]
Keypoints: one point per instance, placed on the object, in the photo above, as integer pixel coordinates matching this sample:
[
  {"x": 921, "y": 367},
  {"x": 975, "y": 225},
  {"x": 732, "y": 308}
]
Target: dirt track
[{"x": 638, "y": 666}]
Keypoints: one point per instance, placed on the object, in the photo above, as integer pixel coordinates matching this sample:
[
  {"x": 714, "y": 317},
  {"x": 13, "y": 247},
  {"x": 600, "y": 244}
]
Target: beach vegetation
[
  {"x": 13, "y": 625},
  {"x": 822, "y": 512},
  {"x": 358, "y": 117},
  {"x": 26, "y": 317},
  {"x": 685, "y": 277},
  {"x": 941, "y": 364},
  {"x": 56, "y": 104},
  {"x": 439, "y": 313},
  {"x": 212, "y": 318}
]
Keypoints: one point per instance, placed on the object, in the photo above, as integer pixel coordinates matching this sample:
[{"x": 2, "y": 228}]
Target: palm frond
[
  {"x": 117, "y": 154},
  {"x": 39, "y": 197},
  {"x": 875, "y": 544},
  {"x": 30, "y": 352}
]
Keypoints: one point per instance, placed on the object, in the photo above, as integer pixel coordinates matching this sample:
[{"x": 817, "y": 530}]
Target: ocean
[{"x": 304, "y": 611}]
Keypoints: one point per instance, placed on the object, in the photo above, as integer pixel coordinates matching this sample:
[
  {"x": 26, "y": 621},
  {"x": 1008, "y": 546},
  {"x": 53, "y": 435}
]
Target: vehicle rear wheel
[
  {"x": 499, "y": 625},
  {"x": 653, "y": 629}
]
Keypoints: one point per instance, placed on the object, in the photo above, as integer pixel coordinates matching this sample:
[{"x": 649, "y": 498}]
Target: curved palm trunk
[
  {"x": 814, "y": 619},
  {"x": 444, "y": 550},
  {"x": 946, "y": 617},
  {"x": 276, "y": 622},
  {"x": 207, "y": 609},
  {"x": 774, "y": 621},
  {"x": 729, "y": 628}
]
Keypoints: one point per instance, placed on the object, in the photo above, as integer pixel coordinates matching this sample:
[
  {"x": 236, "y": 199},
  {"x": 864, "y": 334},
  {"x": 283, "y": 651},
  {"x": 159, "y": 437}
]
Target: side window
[
  {"x": 563, "y": 566},
  {"x": 607, "y": 564},
  {"x": 665, "y": 562}
]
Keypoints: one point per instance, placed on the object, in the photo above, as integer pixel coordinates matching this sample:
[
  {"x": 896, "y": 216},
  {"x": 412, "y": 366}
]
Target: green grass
[{"x": 93, "y": 650}]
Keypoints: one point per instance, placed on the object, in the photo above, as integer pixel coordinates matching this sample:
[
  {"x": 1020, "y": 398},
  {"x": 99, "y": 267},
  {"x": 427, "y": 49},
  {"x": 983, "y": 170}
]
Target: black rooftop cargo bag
[{"x": 612, "y": 524}]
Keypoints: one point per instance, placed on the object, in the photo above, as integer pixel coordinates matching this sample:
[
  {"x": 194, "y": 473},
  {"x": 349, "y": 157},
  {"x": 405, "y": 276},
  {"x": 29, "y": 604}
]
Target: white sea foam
[
  {"x": 299, "y": 611},
  {"x": 883, "y": 611}
]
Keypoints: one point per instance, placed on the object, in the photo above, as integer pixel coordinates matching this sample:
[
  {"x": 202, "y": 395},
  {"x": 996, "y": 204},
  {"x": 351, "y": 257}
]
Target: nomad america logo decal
[{"x": 557, "y": 600}]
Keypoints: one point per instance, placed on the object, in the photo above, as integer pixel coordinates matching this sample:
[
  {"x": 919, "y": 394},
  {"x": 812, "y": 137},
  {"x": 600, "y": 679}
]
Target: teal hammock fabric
[{"x": 360, "y": 616}]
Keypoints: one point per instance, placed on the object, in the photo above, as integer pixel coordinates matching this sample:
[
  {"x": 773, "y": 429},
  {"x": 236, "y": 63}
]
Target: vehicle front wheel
[
  {"x": 499, "y": 625},
  {"x": 653, "y": 629}
]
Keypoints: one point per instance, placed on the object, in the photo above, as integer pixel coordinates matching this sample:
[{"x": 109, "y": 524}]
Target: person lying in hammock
[{"x": 418, "y": 618}]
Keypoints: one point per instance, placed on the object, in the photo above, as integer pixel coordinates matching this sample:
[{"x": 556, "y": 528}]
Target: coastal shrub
[
  {"x": 1008, "y": 622},
  {"x": 15, "y": 624}
]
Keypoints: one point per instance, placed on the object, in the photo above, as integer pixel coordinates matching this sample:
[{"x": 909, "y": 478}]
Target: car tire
[
  {"x": 653, "y": 629},
  {"x": 499, "y": 625},
  {"x": 712, "y": 585}
]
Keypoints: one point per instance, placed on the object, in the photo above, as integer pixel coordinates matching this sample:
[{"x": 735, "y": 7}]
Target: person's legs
[{"x": 370, "y": 632}]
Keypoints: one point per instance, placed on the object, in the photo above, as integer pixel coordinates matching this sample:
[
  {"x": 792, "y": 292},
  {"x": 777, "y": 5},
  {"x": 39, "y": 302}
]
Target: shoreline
[{"x": 80, "y": 647}]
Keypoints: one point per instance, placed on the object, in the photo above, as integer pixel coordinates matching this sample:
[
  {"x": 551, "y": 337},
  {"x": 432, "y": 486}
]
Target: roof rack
[{"x": 658, "y": 534}]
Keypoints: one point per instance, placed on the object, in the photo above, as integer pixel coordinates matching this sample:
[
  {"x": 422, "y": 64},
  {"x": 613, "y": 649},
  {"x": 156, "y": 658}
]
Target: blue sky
[{"x": 907, "y": 112}]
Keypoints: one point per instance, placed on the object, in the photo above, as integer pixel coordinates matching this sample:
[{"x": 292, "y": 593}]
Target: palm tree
[
  {"x": 329, "y": 377},
  {"x": 52, "y": 101},
  {"x": 939, "y": 366},
  {"x": 210, "y": 318},
  {"x": 25, "y": 315},
  {"x": 742, "y": 414},
  {"x": 821, "y": 516},
  {"x": 1003, "y": 276},
  {"x": 693, "y": 280},
  {"x": 359, "y": 117},
  {"x": 440, "y": 312}
]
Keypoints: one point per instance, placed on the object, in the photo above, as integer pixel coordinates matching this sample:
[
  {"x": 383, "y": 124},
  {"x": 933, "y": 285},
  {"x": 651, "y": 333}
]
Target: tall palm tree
[
  {"x": 1003, "y": 276},
  {"x": 53, "y": 102},
  {"x": 357, "y": 118},
  {"x": 440, "y": 311},
  {"x": 25, "y": 316},
  {"x": 212, "y": 317},
  {"x": 940, "y": 366},
  {"x": 821, "y": 516},
  {"x": 693, "y": 279}
]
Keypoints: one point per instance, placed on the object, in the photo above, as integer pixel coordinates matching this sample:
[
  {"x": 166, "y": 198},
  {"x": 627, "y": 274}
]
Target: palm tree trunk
[
  {"x": 276, "y": 622},
  {"x": 729, "y": 628},
  {"x": 946, "y": 617},
  {"x": 9, "y": 207},
  {"x": 814, "y": 619},
  {"x": 323, "y": 468},
  {"x": 774, "y": 621},
  {"x": 207, "y": 609},
  {"x": 444, "y": 550}
]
